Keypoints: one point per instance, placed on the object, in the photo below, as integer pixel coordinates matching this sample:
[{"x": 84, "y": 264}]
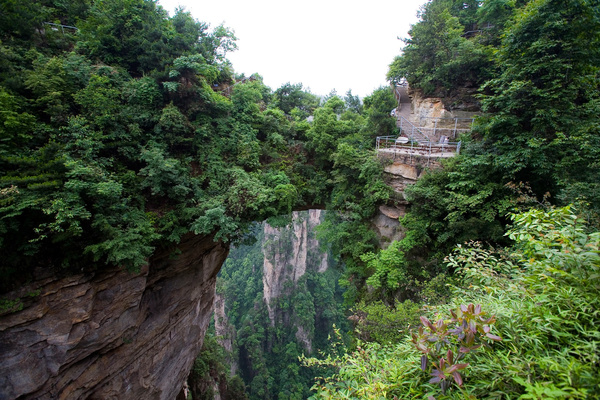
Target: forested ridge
[
  {"x": 512, "y": 311},
  {"x": 123, "y": 129}
]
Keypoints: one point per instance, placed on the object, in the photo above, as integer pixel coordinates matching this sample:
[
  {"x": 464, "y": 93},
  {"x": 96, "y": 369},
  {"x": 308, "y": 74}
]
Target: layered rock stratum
[{"x": 112, "y": 334}]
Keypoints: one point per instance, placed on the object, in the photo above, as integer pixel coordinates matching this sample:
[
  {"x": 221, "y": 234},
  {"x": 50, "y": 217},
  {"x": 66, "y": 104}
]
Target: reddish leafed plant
[{"x": 445, "y": 343}]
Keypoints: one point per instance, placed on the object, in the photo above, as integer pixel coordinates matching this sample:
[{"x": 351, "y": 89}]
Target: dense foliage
[
  {"x": 123, "y": 129},
  {"x": 542, "y": 294},
  {"x": 210, "y": 375},
  {"x": 536, "y": 144},
  {"x": 99, "y": 132},
  {"x": 444, "y": 53}
]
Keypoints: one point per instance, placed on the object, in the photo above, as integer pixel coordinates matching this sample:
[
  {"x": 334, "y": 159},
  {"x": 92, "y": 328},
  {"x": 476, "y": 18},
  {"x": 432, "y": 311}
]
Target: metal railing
[
  {"x": 425, "y": 141},
  {"x": 448, "y": 127},
  {"x": 55, "y": 27},
  {"x": 412, "y": 132},
  {"x": 397, "y": 146},
  {"x": 394, "y": 144}
]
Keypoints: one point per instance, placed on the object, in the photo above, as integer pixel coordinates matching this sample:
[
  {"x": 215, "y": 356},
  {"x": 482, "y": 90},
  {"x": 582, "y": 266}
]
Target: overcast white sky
[{"x": 323, "y": 44}]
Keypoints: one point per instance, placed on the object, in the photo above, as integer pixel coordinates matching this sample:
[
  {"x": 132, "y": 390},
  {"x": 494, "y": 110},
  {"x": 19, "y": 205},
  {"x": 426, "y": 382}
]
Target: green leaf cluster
[
  {"x": 122, "y": 135},
  {"x": 536, "y": 144},
  {"x": 210, "y": 371}
]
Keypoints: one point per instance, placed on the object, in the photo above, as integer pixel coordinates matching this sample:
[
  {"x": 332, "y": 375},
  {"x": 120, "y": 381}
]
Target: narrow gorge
[{"x": 278, "y": 299}]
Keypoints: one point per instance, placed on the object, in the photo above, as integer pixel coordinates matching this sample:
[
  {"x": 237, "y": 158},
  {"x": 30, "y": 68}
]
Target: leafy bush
[
  {"x": 440, "y": 56},
  {"x": 209, "y": 372},
  {"x": 448, "y": 341},
  {"x": 544, "y": 294},
  {"x": 378, "y": 322}
]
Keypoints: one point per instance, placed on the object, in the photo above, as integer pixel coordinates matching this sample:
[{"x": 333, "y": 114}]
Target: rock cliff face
[
  {"x": 386, "y": 224},
  {"x": 405, "y": 169},
  {"x": 112, "y": 334},
  {"x": 288, "y": 254},
  {"x": 461, "y": 104},
  {"x": 282, "y": 299},
  {"x": 425, "y": 110}
]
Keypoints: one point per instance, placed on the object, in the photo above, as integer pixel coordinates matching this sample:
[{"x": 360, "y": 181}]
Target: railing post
[
  {"x": 455, "y": 125},
  {"x": 429, "y": 155}
]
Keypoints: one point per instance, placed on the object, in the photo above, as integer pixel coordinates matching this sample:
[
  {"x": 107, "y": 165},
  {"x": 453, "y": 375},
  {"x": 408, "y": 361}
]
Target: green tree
[
  {"x": 291, "y": 97},
  {"x": 535, "y": 144},
  {"x": 15, "y": 126},
  {"x": 542, "y": 129},
  {"x": 542, "y": 298},
  {"x": 353, "y": 102},
  {"x": 494, "y": 16},
  {"x": 327, "y": 131},
  {"x": 209, "y": 370},
  {"x": 438, "y": 59},
  {"x": 268, "y": 350},
  {"x": 377, "y": 107},
  {"x": 132, "y": 34}
]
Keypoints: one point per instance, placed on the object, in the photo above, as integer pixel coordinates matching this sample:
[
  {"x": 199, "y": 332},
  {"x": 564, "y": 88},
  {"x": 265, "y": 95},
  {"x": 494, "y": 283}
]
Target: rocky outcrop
[
  {"x": 288, "y": 253},
  {"x": 386, "y": 224},
  {"x": 304, "y": 338},
  {"x": 462, "y": 103},
  {"x": 430, "y": 112},
  {"x": 406, "y": 169},
  {"x": 112, "y": 334},
  {"x": 424, "y": 108}
]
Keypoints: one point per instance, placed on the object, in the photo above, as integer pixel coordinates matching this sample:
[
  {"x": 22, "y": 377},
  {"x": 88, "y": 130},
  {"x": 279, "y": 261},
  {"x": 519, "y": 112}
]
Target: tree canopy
[{"x": 128, "y": 129}]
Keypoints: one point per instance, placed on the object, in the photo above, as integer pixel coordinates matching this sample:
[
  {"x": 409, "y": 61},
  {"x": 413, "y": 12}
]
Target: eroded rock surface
[
  {"x": 441, "y": 107},
  {"x": 112, "y": 334},
  {"x": 288, "y": 254},
  {"x": 386, "y": 224}
]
